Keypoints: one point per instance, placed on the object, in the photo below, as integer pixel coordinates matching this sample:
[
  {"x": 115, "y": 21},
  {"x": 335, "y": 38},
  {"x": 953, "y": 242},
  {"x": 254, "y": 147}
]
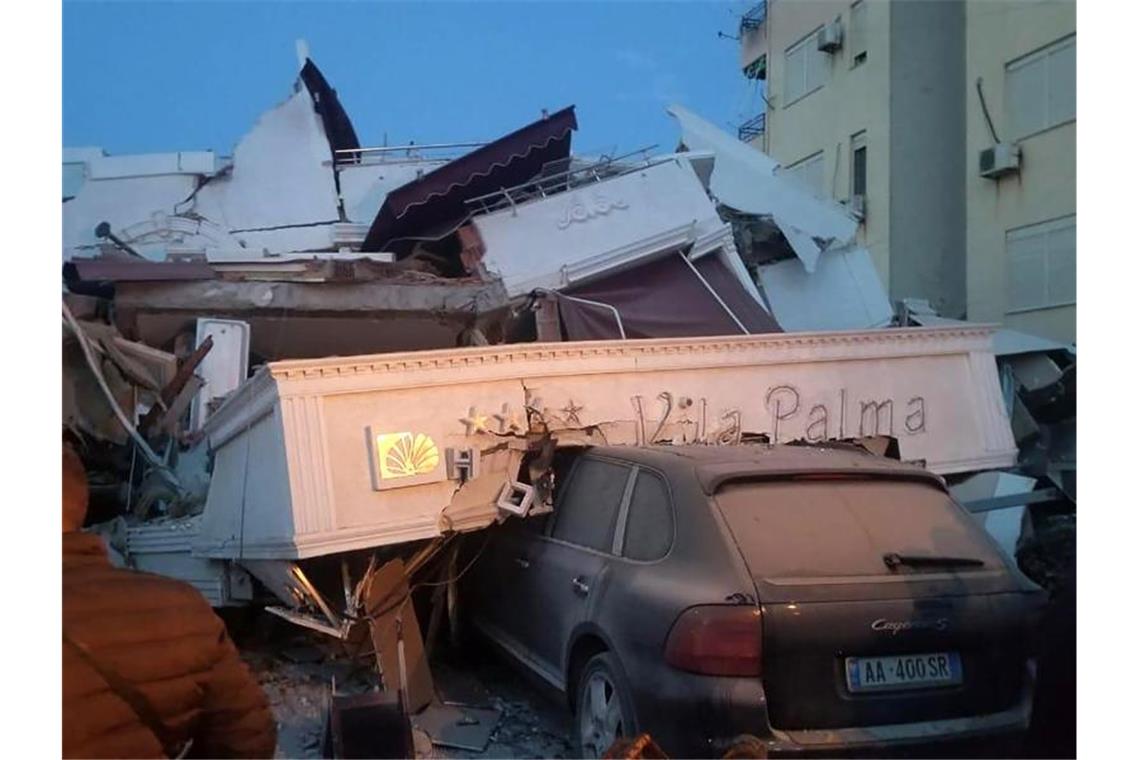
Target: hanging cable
[
  {"x": 155, "y": 460},
  {"x": 986, "y": 111}
]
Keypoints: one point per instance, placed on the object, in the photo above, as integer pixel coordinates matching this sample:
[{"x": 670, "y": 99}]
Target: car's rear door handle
[
  {"x": 522, "y": 562},
  {"x": 580, "y": 587}
]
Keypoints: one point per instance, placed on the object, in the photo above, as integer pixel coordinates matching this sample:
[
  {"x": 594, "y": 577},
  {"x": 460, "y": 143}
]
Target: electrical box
[
  {"x": 999, "y": 160},
  {"x": 829, "y": 39}
]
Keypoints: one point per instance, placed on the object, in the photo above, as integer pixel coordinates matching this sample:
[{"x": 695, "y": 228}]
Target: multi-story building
[
  {"x": 875, "y": 103},
  {"x": 1021, "y": 223}
]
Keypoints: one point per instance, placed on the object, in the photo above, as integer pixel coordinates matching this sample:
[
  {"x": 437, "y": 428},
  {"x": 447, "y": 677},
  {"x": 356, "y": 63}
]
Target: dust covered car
[{"x": 822, "y": 599}]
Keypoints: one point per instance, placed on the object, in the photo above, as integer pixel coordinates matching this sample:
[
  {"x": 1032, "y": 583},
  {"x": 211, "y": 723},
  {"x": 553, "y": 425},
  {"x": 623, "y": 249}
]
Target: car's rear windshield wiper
[{"x": 894, "y": 561}]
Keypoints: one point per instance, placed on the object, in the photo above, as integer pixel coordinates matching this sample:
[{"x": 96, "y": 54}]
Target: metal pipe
[
  {"x": 715, "y": 295},
  {"x": 413, "y": 146},
  {"x": 315, "y": 595},
  {"x": 589, "y": 168},
  {"x": 103, "y": 230}
]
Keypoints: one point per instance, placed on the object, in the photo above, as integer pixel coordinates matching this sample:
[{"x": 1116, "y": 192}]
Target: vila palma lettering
[
  {"x": 874, "y": 416},
  {"x": 597, "y": 205}
]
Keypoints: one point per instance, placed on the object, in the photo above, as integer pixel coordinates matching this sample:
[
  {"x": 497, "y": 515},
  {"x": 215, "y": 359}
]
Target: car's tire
[{"x": 603, "y": 706}]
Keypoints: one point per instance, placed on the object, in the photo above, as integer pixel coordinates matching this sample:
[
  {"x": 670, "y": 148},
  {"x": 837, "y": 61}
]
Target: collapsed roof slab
[{"x": 301, "y": 320}]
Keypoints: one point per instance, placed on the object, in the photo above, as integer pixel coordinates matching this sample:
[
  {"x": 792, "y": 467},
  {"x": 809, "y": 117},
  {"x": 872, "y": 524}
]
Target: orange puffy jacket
[{"x": 160, "y": 637}]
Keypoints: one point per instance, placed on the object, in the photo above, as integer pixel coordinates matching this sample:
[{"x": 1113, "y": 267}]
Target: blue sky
[{"x": 156, "y": 76}]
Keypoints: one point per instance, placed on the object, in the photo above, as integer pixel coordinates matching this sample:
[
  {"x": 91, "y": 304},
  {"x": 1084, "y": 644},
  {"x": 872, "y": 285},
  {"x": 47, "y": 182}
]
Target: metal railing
[
  {"x": 391, "y": 153},
  {"x": 752, "y": 128},
  {"x": 553, "y": 183},
  {"x": 755, "y": 17}
]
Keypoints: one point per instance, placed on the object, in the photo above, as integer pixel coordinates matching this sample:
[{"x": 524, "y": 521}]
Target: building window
[
  {"x": 805, "y": 69},
  {"x": 1042, "y": 265},
  {"x": 859, "y": 164},
  {"x": 1041, "y": 89},
  {"x": 808, "y": 172},
  {"x": 858, "y": 42}
]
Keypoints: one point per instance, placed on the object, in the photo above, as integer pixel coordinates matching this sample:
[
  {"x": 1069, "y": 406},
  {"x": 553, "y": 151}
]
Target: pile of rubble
[{"x": 200, "y": 301}]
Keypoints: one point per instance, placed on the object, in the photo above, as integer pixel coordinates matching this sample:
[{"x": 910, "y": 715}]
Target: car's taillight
[{"x": 716, "y": 640}]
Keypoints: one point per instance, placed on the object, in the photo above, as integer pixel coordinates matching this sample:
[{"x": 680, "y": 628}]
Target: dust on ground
[{"x": 296, "y": 669}]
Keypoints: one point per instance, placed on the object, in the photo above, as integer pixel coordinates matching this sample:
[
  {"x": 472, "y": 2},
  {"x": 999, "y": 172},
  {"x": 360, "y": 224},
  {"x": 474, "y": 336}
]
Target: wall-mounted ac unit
[
  {"x": 999, "y": 160},
  {"x": 857, "y": 204},
  {"x": 829, "y": 39}
]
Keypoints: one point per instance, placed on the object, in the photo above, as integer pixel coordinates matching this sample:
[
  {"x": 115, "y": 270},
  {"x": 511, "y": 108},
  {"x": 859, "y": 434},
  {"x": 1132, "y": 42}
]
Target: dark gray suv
[{"x": 824, "y": 600}]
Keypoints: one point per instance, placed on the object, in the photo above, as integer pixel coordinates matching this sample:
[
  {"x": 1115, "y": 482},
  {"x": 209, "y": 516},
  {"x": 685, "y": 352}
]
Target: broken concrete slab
[{"x": 458, "y": 726}]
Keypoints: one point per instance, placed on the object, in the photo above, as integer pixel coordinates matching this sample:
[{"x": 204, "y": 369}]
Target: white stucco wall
[
  {"x": 281, "y": 177},
  {"x": 853, "y": 99},
  {"x": 598, "y": 226},
  {"x": 997, "y": 32}
]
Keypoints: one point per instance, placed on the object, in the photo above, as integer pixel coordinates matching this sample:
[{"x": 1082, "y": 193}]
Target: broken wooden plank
[
  {"x": 175, "y": 386},
  {"x": 390, "y": 614}
]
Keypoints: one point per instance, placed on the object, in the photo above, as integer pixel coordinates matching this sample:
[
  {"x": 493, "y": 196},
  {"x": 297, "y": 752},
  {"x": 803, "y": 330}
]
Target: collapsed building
[{"x": 298, "y": 372}]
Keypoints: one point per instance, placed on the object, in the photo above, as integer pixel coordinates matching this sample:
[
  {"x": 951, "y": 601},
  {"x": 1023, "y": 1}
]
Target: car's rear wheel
[{"x": 603, "y": 710}]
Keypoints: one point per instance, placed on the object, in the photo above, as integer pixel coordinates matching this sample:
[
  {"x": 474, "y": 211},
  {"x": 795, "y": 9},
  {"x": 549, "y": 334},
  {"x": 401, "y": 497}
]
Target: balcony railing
[
  {"x": 755, "y": 17},
  {"x": 753, "y": 128}
]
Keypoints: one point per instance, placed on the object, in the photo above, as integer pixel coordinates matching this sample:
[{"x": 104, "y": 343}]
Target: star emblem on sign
[
  {"x": 570, "y": 412},
  {"x": 509, "y": 421},
  {"x": 474, "y": 422}
]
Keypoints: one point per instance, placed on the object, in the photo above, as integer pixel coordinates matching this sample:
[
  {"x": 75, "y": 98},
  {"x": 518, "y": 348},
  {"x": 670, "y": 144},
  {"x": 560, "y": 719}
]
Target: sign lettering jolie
[{"x": 598, "y": 204}]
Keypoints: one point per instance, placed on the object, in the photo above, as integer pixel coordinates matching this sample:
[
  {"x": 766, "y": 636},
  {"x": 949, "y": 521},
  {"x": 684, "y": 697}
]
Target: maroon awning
[
  {"x": 663, "y": 299},
  {"x": 439, "y": 197}
]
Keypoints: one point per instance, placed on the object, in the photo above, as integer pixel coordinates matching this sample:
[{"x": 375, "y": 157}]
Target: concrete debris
[
  {"x": 311, "y": 393},
  {"x": 1039, "y": 389}
]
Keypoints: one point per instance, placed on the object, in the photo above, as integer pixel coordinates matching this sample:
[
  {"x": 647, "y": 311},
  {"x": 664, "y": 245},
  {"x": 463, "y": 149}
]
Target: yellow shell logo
[{"x": 403, "y": 455}]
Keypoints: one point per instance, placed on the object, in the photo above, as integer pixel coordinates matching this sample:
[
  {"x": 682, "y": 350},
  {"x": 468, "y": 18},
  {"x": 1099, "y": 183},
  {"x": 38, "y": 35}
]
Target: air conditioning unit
[
  {"x": 857, "y": 204},
  {"x": 829, "y": 39},
  {"x": 999, "y": 160}
]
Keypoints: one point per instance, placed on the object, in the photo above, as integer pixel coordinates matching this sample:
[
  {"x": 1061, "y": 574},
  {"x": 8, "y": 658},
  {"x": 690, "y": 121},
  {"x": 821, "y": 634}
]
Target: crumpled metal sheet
[
  {"x": 844, "y": 292},
  {"x": 745, "y": 179}
]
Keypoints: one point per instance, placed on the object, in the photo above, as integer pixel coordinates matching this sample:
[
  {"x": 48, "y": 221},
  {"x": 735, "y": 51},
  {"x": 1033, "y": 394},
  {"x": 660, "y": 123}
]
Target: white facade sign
[{"x": 328, "y": 455}]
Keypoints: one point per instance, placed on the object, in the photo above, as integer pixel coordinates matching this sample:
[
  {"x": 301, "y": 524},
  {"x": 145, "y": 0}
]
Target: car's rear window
[{"x": 843, "y": 527}]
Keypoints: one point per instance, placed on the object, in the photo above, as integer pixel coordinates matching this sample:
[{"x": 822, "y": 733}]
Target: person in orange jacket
[{"x": 148, "y": 668}]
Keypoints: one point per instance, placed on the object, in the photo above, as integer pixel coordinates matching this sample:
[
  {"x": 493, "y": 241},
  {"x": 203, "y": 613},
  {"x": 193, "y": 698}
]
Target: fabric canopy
[
  {"x": 440, "y": 196},
  {"x": 662, "y": 299}
]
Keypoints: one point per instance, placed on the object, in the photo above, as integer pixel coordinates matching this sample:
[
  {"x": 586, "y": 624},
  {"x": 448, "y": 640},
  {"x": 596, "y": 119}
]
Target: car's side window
[
  {"x": 649, "y": 528},
  {"x": 587, "y": 512}
]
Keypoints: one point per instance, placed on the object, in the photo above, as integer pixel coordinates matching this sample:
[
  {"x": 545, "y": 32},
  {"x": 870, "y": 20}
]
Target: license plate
[{"x": 906, "y": 671}]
